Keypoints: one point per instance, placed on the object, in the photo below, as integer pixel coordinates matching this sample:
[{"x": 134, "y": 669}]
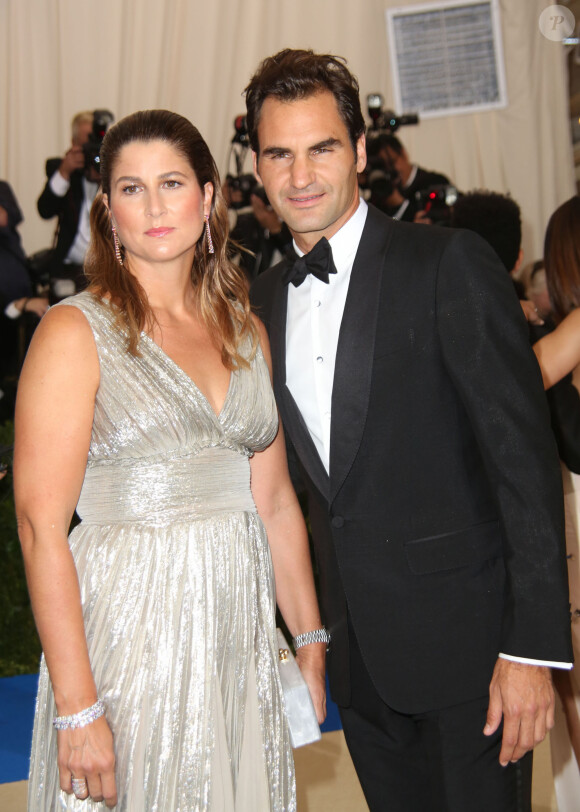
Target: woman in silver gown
[{"x": 145, "y": 402}]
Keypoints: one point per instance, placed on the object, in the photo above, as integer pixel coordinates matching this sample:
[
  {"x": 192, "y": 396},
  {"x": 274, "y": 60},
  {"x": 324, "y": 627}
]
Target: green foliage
[{"x": 19, "y": 644}]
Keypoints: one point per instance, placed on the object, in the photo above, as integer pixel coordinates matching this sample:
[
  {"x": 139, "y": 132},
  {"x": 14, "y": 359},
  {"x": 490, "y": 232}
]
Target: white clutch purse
[{"x": 300, "y": 713}]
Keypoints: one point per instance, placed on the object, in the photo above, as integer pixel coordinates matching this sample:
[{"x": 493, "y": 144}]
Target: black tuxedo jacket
[
  {"x": 439, "y": 530},
  {"x": 66, "y": 208}
]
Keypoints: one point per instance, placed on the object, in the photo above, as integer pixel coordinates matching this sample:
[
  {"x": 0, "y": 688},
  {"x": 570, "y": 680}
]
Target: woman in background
[
  {"x": 558, "y": 354},
  {"x": 145, "y": 402}
]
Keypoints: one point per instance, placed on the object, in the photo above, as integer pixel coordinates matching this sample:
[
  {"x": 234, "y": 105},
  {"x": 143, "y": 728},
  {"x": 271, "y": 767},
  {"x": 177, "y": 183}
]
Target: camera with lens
[
  {"x": 379, "y": 178},
  {"x": 437, "y": 202},
  {"x": 385, "y": 120},
  {"x": 241, "y": 189},
  {"x": 242, "y": 185},
  {"x": 102, "y": 120}
]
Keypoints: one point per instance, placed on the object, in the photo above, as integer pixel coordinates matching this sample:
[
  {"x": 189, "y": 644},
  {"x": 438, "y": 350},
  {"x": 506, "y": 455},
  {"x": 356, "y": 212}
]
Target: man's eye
[
  {"x": 172, "y": 184},
  {"x": 131, "y": 189}
]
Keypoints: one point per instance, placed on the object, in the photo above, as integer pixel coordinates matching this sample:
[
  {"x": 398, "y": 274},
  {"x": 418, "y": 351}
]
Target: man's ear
[
  {"x": 361, "y": 153},
  {"x": 255, "y": 165}
]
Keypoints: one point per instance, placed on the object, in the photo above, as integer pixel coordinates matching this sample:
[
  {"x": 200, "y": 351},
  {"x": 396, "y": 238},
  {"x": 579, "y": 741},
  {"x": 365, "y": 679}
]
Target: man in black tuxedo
[{"x": 415, "y": 408}]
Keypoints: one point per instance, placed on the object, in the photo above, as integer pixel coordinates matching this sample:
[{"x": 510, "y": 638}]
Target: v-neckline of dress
[{"x": 190, "y": 380}]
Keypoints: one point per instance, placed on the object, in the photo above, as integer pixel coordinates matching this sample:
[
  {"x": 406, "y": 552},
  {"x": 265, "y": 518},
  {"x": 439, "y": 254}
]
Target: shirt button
[
  {"x": 319, "y": 359},
  {"x": 317, "y": 303}
]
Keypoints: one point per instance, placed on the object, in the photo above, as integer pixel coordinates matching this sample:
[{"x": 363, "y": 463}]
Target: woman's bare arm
[
  {"x": 54, "y": 415},
  {"x": 296, "y": 596},
  {"x": 558, "y": 353}
]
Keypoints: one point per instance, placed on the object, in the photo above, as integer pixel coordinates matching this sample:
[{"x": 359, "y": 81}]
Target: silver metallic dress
[{"x": 177, "y": 592}]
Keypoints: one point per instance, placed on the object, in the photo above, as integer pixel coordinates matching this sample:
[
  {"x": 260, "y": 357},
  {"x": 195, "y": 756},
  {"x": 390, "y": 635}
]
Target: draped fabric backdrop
[{"x": 61, "y": 56}]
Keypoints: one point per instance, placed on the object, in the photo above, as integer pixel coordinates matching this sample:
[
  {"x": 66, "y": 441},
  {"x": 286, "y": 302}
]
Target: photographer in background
[
  {"x": 72, "y": 184},
  {"x": 254, "y": 225},
  {"x": 401, "y": 189},
  {"x": 255, "y": 228},
  {"x": 413, "y": 178},
  {"x": 20, "y": 309},
  {"x": 381, "y": 183}
]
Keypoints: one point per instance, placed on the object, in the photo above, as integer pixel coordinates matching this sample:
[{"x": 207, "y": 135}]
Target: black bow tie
[{"x": 318, "y": 262}]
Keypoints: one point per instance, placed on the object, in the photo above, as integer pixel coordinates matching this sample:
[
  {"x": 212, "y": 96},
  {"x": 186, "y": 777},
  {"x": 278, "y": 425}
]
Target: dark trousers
[{"x": 431, "y": 762}]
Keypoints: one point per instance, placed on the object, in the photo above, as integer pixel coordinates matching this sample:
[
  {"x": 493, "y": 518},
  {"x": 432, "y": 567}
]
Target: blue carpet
[
  {"x": 332, "y": 721},
  {"x": 17, "y": 697}
]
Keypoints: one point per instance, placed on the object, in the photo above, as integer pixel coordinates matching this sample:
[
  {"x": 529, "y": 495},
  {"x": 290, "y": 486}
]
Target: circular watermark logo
[{"x": 557, "y": 23}]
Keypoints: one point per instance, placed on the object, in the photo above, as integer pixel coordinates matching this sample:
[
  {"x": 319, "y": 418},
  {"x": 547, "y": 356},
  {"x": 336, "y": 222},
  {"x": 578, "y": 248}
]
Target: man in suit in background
[
  {"x": 68, "y": 194},
  {"x": 413, "y": 178},
  {"x": 415, "y": 408}
]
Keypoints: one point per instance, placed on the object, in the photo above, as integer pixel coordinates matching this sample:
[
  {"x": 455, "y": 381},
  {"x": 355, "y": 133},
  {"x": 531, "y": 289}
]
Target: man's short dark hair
[
  {"x": 298, "y": 74},
  {"x": 494, "y": 217},
  {"x": 389, "y": 141}
]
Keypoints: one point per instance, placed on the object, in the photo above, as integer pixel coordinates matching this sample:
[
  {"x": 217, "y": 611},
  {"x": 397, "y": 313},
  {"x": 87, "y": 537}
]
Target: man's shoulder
[
  {"x": 263, "y": 289},
  {"x": 405, "y": 233},
  {"x": 268, "y": 279}
]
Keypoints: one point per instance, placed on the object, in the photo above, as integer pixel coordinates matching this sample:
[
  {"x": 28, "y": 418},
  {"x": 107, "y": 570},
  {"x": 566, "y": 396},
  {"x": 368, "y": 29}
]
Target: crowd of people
[{"x": 405, "y": 373}]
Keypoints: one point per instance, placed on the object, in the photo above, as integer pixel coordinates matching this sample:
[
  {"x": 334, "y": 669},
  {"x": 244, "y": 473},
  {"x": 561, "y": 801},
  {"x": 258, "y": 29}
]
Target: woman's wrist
[
  {"x": 81, "y": 719},
  {"x": 318, "y": 635}
]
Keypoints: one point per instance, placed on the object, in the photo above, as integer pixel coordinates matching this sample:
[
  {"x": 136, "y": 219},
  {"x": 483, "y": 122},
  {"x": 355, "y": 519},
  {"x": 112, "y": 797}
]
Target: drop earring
[
  {"x": 117, "y": 245},
  {"x": 208, "y": 235}
]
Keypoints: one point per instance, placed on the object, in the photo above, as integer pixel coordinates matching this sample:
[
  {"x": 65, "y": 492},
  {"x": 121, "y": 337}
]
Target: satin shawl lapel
[
  {"x": 292, "y": 419},
  {"x": 356, "y": 341}
]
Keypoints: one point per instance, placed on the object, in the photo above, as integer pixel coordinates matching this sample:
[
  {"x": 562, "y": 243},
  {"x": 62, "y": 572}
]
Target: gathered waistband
[{"x": 174, "y": 488}]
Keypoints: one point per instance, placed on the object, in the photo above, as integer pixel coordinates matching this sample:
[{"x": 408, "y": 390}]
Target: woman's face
[{"x": 156, "y": 202}]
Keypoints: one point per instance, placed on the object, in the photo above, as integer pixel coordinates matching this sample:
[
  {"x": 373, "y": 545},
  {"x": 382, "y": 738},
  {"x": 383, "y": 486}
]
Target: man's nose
[{"x": 302, "y": 172}]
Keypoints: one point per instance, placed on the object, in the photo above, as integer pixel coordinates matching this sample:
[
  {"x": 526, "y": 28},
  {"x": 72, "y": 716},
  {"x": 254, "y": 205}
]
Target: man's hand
[
  {"x": 531, "y": 312},
  {"x": 73, "y": 159},
  {"x": 422, "y": 217},
  {"x": 524, "y": 695}
]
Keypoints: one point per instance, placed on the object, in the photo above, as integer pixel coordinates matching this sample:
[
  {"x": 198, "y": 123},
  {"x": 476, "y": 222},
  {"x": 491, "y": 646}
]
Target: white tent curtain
[{"x": 61, "y": 56}]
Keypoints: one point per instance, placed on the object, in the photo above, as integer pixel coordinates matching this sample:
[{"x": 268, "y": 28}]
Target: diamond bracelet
[
  {"x": 80, "y": 719},
  {"x": 316, "y": 636}
]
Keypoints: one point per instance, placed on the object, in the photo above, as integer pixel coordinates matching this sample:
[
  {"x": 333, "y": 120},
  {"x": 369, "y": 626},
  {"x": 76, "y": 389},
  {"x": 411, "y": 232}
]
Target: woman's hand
[
  {"x": 87, "y": 752},
  {"x": 311, "y": 661}
]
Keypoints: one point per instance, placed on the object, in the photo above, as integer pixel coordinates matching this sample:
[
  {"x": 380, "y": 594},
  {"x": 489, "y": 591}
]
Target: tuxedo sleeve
[
  {"x": 485, "y": 346},
  {"x": 50, "y": 204}
]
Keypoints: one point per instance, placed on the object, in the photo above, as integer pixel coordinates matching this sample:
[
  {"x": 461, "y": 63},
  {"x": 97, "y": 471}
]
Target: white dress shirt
[
  {"x": 315, "y": 311},
  {"x": 313, "y": 322}
]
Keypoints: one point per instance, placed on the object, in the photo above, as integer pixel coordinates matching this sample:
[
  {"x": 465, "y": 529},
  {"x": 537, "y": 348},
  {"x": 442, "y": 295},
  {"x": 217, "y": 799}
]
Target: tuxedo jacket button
[{"x": 337, "y": 521}]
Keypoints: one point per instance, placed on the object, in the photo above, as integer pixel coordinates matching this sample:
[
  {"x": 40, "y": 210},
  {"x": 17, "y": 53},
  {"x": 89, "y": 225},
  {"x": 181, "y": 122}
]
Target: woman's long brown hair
[
  {"x": 219, "y": 284},
  {"x": 562, "y": 258}
]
